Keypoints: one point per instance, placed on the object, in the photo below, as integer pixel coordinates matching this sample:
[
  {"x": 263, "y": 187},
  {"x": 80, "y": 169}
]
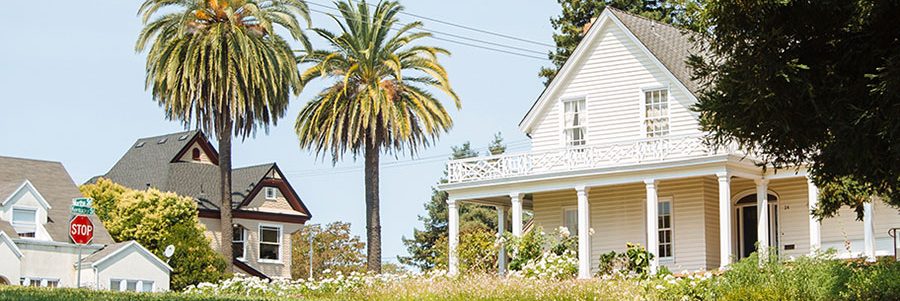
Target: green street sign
[
  {"x": 82, "y": 210},
  {"x": 82, "y": 202}
]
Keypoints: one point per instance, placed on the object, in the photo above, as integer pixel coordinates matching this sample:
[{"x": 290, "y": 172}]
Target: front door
[{"x": 747, "y": 221}]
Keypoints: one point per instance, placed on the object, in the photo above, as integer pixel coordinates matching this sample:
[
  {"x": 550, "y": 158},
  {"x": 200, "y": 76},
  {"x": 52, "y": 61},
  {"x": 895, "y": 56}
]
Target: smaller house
[
  {"x": 35, "y": 248},
  {"x": 265, "y": 208}
]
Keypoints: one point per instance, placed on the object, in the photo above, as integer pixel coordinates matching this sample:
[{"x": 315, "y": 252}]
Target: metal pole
[
  {"x": 310, "y": 255},
  {"x": 78, "y": 281}
]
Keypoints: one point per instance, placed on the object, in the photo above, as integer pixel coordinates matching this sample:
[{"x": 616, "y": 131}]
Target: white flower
[{"x": 564, "y": 232}]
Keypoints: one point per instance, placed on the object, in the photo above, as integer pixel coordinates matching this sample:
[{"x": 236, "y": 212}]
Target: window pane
[
  {"x": 237, "y": 233},
  {"x": 148, "y": 286},
  {"x": 24, "y": 216},
  {"x": 571, "y": 221},
  {"x": 132, "y": 286},
  {"x": 268, "y": 251},
  {"x": 269, "y": 234},
  {"x": 237, "y": 249}
]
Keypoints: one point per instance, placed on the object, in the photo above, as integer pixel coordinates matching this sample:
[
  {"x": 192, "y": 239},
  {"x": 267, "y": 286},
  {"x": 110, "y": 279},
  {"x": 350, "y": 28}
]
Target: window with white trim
[
  {"x": 39, "y": 282},
  {"x": 271, "y": 193},
  {"x": 239, "y": 242},
  {"x": 575, "y": 122},
  {"x": 269, "y": 243},
  {"x": 130, "y": 285},
  {"x": 656, "y": 112},
  {"x": 25, "y": 221},
  {"x": 664, "y": 224},
  {"x": 570, "y": 219}
]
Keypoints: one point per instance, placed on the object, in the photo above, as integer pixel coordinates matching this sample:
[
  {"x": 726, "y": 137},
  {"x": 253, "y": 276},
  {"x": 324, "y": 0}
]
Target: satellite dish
[{"x": 170, "y": 249}]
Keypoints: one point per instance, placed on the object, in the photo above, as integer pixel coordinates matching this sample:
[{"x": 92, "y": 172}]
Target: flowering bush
[{"x": 551, "y": 266}]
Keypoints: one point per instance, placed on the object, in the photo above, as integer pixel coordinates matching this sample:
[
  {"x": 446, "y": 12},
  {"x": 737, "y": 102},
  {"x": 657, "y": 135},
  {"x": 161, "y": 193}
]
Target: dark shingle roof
[
  {"x": 7, "y": 228},
  {"x": 105, "y": 251},
  {"x": 152, "y": 163},
  {"x": 56, "y": 186},
  {"x": 671, "y": 45}
]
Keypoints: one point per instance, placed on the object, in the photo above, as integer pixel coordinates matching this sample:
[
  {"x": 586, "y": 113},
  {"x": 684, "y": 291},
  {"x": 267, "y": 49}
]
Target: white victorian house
[{"x": 616, "y": 148}]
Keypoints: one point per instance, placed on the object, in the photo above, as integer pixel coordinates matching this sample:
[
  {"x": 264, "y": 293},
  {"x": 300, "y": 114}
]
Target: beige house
[
  {"x": 265, "y": 208},
  {"x": 35, "y": 247},
  {"x": 616, "y": 148}
]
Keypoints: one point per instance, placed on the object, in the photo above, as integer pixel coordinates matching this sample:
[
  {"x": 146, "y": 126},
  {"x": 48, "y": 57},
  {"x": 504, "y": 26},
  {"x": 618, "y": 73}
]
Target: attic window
[
  {"x": 161, "y": 141},
  {"x": 182, "y": 137},
  {"x": 140, "y": 144},
  {"x": 271, "y": 193},
  {"x": 195, "y": 155}
]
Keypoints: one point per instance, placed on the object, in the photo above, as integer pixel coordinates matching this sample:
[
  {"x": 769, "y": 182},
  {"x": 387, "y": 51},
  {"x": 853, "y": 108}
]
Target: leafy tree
[
  {"x": 220, "y": 66},
  {"x": 378, "y": 99},
  {"x": 334, "y": 248},
  {"x": 577, "y": 14},
  {"x": 428, "y": 247},
  {"x": 155, "y": 220},
  {"x": 813, "y": 82}
]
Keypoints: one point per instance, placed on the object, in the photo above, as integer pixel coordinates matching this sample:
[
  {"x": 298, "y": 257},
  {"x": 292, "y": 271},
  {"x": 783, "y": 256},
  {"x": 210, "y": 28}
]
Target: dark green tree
[
  {"x": 425, "y": 247},
  {"x": 335, "y": 248},
  {"x": 570, "y": 25},
  {"x": 813, "y": 82}
]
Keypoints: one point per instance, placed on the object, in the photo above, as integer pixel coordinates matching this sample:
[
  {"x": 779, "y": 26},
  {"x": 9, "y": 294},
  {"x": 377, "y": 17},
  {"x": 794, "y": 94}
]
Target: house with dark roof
[
  {"x": 265, "y": 207},
  {"x": 618, "y": 155},
  {"x": 35, "y": 245}
]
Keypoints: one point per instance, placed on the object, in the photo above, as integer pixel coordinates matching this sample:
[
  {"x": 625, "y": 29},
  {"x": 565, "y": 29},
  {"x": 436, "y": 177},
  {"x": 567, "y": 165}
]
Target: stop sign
[{"x": 81, "y": 229}]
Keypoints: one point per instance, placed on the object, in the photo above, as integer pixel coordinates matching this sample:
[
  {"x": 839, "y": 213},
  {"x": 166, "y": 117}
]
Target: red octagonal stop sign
[{"x": 81, "y": 229}]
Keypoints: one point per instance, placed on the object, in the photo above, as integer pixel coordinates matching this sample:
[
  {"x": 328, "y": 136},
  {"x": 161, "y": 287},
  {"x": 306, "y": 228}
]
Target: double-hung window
[
  {"x": 239, "y": 242},
  {"x": 129, "y": 285},
  {"x": 25, "y": 221},
  {"x": 656, "y": 112},
  {"x": 575, "y": 122},
  {"x": 570, "y": 219},
  {"x": 270, "y": 243},
  {"x": 664, "y": 223}
]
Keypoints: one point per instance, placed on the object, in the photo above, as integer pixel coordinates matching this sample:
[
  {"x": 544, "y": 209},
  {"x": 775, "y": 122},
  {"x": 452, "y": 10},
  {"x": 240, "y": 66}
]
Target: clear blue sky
[{"x": 72, "y": 90}]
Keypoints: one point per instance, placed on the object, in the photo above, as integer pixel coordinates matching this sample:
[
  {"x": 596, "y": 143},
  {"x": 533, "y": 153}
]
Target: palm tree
[
  {"x": 378, "y": 100},
  {"x": 219, "y": 65}
]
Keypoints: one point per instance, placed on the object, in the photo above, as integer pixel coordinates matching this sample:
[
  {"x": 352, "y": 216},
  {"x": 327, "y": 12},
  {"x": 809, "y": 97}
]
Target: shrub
[
  {"x": 526, "y": 248},
  {"x": 551, "y": 266},
  {"x": 878, "y": 281},
  {"x": 635, "y": 260},
  {"x": 157, "y": 219}
]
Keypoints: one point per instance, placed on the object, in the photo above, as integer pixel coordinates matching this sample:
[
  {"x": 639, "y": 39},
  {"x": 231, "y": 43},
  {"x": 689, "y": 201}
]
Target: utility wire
[
  {"x": 434, "y": 32},
  {"x": 473, "y": 28}
]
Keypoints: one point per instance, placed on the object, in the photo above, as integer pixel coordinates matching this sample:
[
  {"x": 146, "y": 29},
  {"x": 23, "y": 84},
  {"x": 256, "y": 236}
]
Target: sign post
[{"x": 81, "y": 229}]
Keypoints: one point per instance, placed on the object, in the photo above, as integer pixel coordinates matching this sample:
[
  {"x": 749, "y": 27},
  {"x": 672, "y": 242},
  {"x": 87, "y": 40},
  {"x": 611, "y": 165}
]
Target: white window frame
[
  {"x": 121, "y": 285},
  {"x": 565, "y": 127},
  {"x": 260, "y": 243},
  {"x": 565, "y": 209},
  {"x": 274, "y": 193},
  {"x": 243, "y": 242},
  {"x": 41, "y": 281},
  {"x": 670, "y": 229},
  {"x": 643, "y": 109},
  {"x": 34, "y": 223}
]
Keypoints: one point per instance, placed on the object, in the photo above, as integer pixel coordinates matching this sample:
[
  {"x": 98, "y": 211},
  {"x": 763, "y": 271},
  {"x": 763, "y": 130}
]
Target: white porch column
[
  {"x": 501, "y": 228},
  {"x": 762, "y": 214},
  {"x": 724, "y": 219},
  {"x": 453, "y": 221},
  {"x": 652, "y": 223},
  {"x": 869, "y": 230},
  {"x": 516, "y": 199},
  {"x": 815, "y": 227},
  {"x": 584, "y": 235}
]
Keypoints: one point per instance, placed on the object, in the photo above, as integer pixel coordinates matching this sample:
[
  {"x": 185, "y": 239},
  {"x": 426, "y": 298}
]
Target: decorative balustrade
[{"x": 570, "y": 159}]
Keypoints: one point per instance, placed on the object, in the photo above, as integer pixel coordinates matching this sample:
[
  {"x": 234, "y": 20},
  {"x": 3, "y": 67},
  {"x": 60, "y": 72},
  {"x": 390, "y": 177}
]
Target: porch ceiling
[{"x": 527, "y": 202}]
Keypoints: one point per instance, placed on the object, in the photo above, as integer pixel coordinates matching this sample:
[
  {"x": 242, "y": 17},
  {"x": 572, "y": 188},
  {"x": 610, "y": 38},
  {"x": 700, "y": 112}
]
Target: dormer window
[
  {"x": 24, "y": 220},
  {"x": 575, "y": 122},
  {"x": 656, "y": 112},
  {"x": 271, "y": 193},
  {"x": 195, "y": 154}
]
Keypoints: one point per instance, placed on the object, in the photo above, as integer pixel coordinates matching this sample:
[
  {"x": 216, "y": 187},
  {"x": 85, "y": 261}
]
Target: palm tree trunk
[
  {"x": 373, "y": 217},
  {"x": 224, "y": 137}
]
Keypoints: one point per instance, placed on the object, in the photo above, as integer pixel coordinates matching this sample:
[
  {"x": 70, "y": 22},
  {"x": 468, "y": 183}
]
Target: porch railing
[{"x": 588, "y": 157}]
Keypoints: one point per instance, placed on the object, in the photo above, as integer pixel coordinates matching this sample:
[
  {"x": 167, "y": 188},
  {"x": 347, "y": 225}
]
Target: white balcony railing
[{"x": 570, "y": 159}]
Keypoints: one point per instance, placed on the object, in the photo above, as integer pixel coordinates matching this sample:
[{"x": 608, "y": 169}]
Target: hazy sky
[{"x": 72, "y": 90}]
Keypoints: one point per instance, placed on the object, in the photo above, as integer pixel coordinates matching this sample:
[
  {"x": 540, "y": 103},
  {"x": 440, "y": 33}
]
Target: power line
[
  {"x": 460, "y": 37},
  {"x": 473, "y": 29}
]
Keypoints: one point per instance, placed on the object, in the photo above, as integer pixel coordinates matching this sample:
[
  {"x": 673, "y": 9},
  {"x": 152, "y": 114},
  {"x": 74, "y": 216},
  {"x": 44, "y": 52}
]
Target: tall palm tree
[
  {"x": 378, "y": 99},
  {"x": 220, "y": 66}
]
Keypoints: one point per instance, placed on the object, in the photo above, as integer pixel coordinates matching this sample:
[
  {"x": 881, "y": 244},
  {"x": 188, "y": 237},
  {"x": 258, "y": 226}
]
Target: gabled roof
[
  {"x": 4, "y": 238},
  {"x": 669, "y": 46},
  {"x": 26, "y": 185},
  {"x": 157, "y": 164},
  {"x": 111, "y": 250},
  {"x": 55, "y": 186}
]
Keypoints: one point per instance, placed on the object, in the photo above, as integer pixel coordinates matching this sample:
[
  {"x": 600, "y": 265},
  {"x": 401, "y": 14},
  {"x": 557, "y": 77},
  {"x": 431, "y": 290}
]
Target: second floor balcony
[{"x": 581, "y": 158}]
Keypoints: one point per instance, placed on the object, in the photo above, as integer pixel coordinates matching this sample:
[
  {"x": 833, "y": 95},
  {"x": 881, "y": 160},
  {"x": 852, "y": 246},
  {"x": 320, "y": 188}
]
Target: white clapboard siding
[
  {"x": 711, "y": 217},
  {"x": 688, "y": 221},
  {"x": 611, "y": 79}
]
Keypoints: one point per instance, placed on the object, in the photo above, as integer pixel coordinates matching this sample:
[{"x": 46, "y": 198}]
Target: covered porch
[{"x": 694, "y": 215}]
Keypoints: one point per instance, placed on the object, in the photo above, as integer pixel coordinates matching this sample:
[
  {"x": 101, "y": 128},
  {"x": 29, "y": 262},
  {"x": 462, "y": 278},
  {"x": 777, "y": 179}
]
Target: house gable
[
  {"x": 286, "y": 199},
  {"x": 609, "y": 70},
  {"x": 199, "y": 150}
]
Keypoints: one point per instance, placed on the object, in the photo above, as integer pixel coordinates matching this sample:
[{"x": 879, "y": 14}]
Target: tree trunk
[
  {"x": 373, "y": 217},
  {"x": 224, "y": 137}
]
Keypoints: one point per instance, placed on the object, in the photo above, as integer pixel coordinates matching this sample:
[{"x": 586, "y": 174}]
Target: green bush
[
  {"x": 17, "y": 293},
  {"x": 878, "y": 281},
  {"x": 157, "y": 219},
  {"x": 635, "y": 260}
]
